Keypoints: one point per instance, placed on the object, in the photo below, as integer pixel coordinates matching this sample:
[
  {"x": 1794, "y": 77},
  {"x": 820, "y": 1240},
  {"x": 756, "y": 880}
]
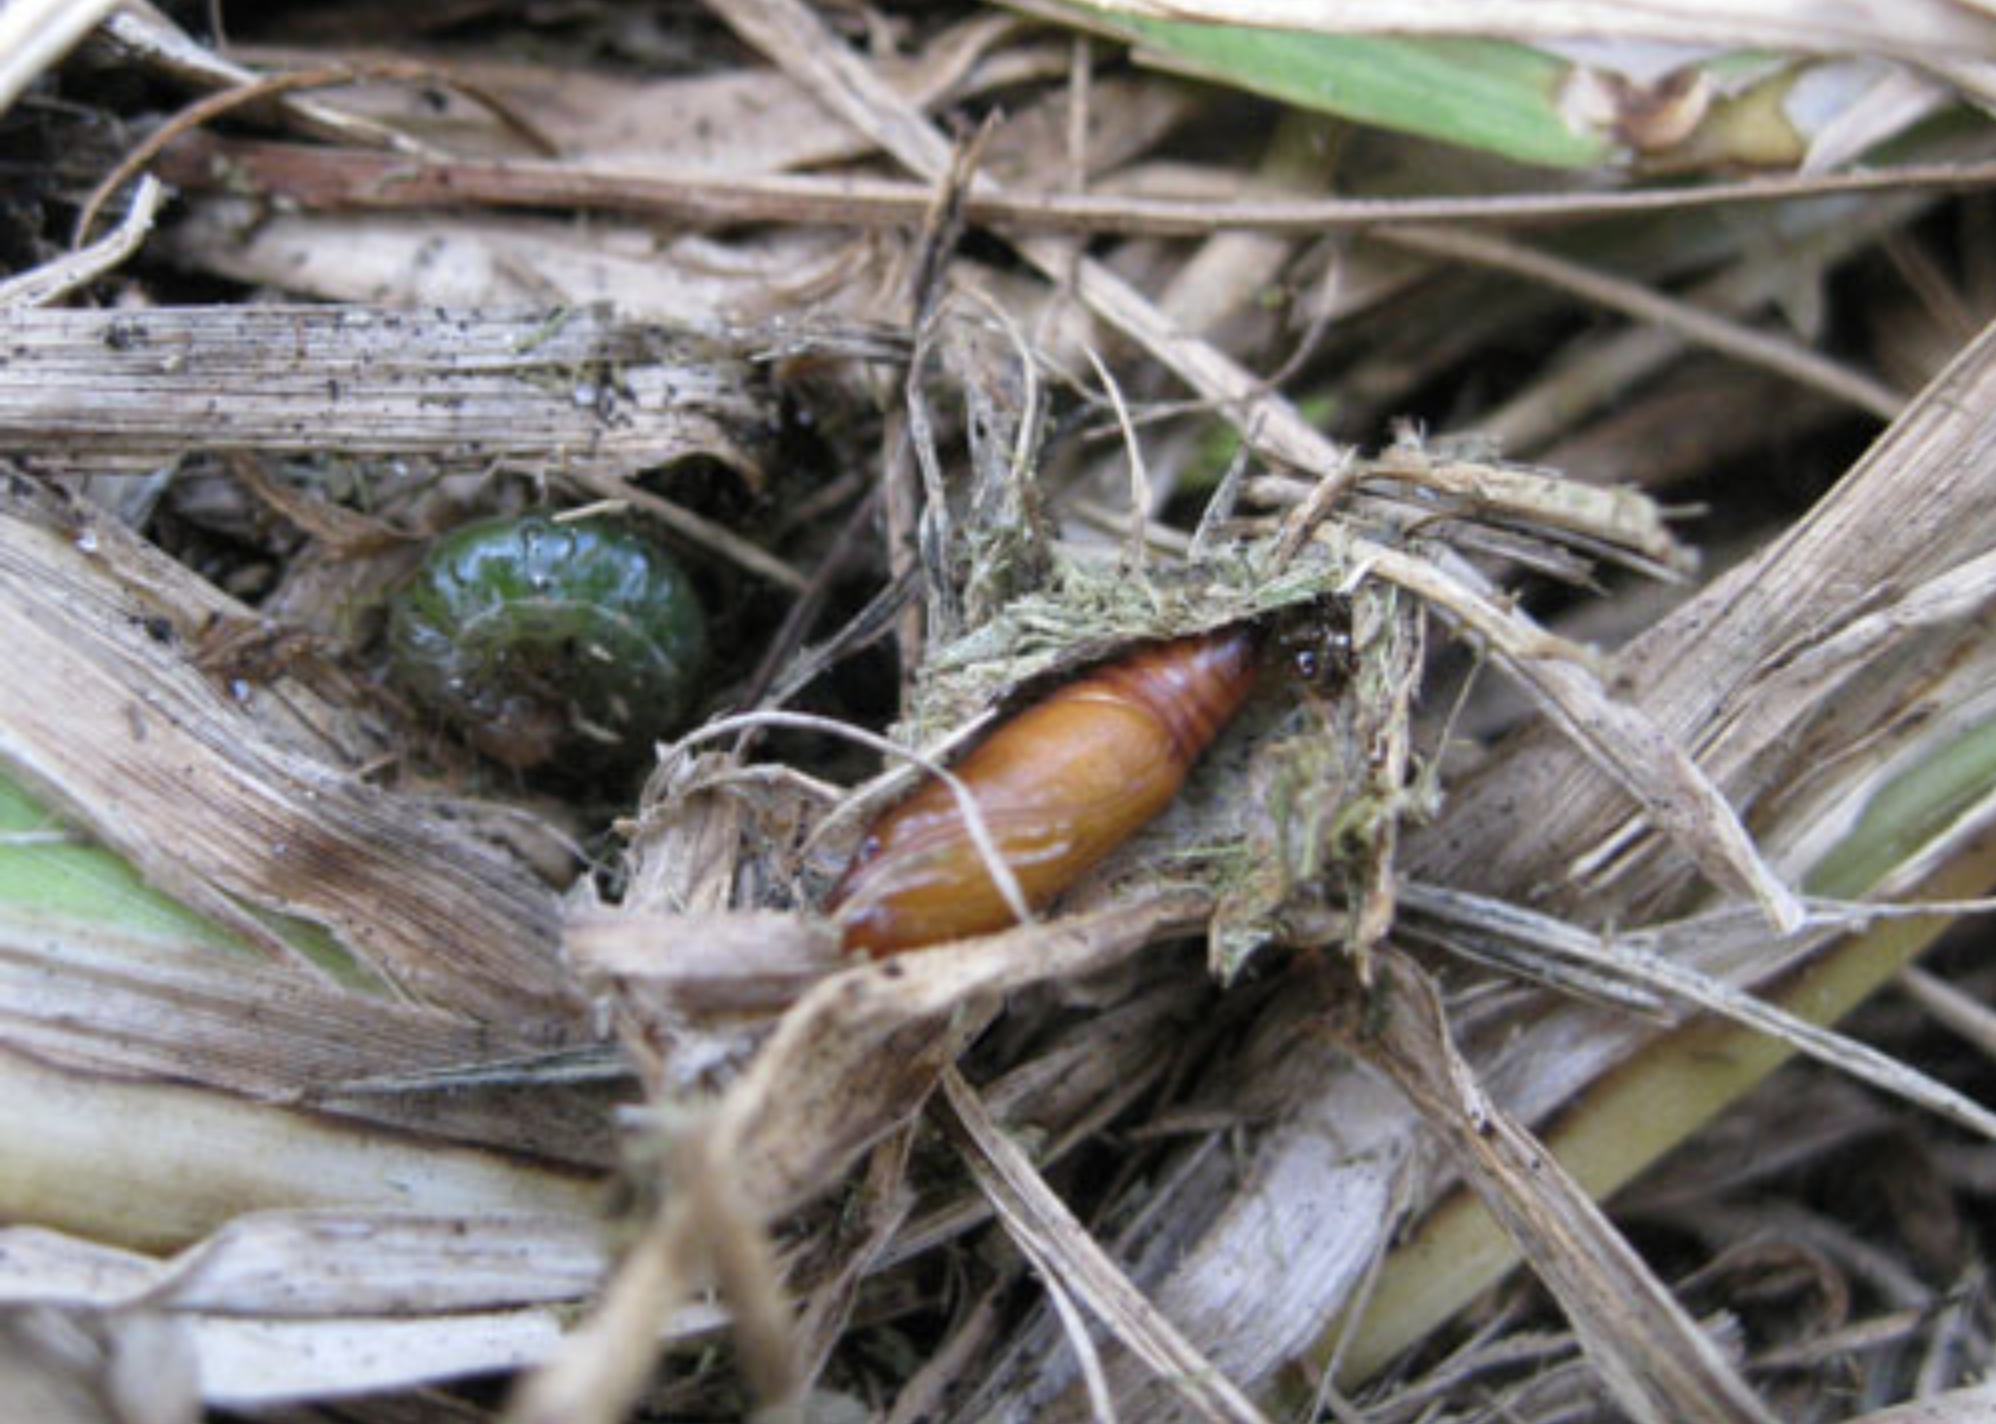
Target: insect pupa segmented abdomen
[{"x": 1101, "y": 755}]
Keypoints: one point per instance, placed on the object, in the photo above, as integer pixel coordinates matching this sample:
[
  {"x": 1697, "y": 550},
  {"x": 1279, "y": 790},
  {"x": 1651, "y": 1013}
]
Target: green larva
[{"x": 541, "y": 638}]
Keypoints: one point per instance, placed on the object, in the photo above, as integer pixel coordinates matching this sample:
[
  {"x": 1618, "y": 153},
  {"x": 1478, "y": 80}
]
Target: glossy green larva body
[{"x": 541, "y": 638}]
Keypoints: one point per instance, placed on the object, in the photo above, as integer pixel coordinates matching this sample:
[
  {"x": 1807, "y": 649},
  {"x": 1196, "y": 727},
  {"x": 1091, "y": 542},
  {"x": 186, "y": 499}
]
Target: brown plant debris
[{"x": 1596, "y": 452}]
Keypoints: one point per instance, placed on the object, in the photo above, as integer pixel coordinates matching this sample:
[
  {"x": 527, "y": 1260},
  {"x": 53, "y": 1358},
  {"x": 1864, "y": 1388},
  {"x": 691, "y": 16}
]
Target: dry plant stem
[
  {"x": 117, "y": 727},
  {"x": 901, "y": 510},
  {"x": 1625, "y": 743},
  {"x": 1137, "y": 518},
  {"x": 795, "y": 39},
  {"x": 1970, "y": 1405},
  {"x": 1743, "y": 343},
  {"x": 913, "y": 497},
  {"x": 1947, "y": 597},
  {"x": 193, "y": 116},
  {"x": 1961, "y": 1013},
  {"x": 1922, "y": 500},
  {"x": 1088, "y": 1359},
  {"x": 600, "y": 1371},
  {"x": 324, "y": 1265},
  {"x": 851, "y": 1062},
  {"x": 1659, "y": 1365},
  {"x": 155, "y": 1165},
  {"x": 391, "y": 383},
  {"x": 1962, "y": 1328},
  {"x": 1647, "y": 1107},
  {"x": 1063, "y": 1251},
  {"x": 858, "y": 1054},
  {"x": 148, "y": 41},
  {"x": 1664, "y": 968},
  {"x": 1621, "y": 521},
  {"x": 705, "y": 1233},
  {"x": 36, "y": 34},
  {"x": 699, "y": 530},
  {"x": 271, "y": 86},
  {"x": 1915, "y": 508},
  {"x": 919, "y": 537},
  {"x": 745, "y": 1270},
  {"x": 1920, "y": 503},
  {"x": 885, "y": 1199},
  {"x": 56, "y": 279},
  {"x": 577, "y": 389},
  {"x": 1895, "y": 1327},
  {"x": 1075, "y": 1095},
  {"x": 1600, "y": 371},
  {"x": 1619, "y": 518},
  {"x": 359, "y": 178}
]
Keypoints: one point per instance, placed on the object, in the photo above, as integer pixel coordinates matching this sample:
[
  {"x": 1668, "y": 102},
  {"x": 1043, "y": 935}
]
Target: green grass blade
[
  {"x": 48, "y": 874},
  {"x": 51, "y": 877},
  {"x": 1491, "y": 95}
]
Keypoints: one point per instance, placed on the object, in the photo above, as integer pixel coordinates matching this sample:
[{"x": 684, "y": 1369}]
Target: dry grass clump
[{"x": 1604, "y": 450}]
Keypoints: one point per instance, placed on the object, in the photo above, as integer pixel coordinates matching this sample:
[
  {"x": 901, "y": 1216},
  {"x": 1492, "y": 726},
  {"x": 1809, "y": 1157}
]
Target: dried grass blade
[
  {"x": 1613, "y": 516},
  {"x": 1966, "y": 1016},
  {"x": 252, "y": 1364},
  {"x": 148, "y": 40},
  {"x": 329, "y": 1263},
  {"x": 1625, "y": 958},
  {"x": 851, "y": 1061},
  {"x": 885, "y": 1199},
  {"x": 860, "y": 1052},
  {"x": 87, "y": 996},
  {"x": 319, "y": 1264},
  {"x": 1975, "y": 1404},
  {"x": 600, "y": 1369},
  {"x": 1625, "y": 1121},
  {"x": 705, "y": 1234},
  {"x": 86, "y": 1154},
  {"x": 1745, "y": 343},
  {"x": 581, "y": 388},
  {"x": 122, "y": 731},
  {"x": 1658, "y": 1364},
  {"x": 59, "y": 276},
  {"x": 1618, "y": 737},
  {"x": 797, "y": 40},
  {"x": 1921, "y": 502},
  {"x": 334, "y": 179},
  {"x": 34, "y": 36},
  {"x": 1062, "y": 1250},
  {"x": 1814, "y": 670}
]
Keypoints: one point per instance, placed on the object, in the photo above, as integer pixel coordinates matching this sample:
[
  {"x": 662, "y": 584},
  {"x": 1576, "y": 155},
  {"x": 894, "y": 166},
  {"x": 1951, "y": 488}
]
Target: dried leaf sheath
[{"x": 116, "y": 725}]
